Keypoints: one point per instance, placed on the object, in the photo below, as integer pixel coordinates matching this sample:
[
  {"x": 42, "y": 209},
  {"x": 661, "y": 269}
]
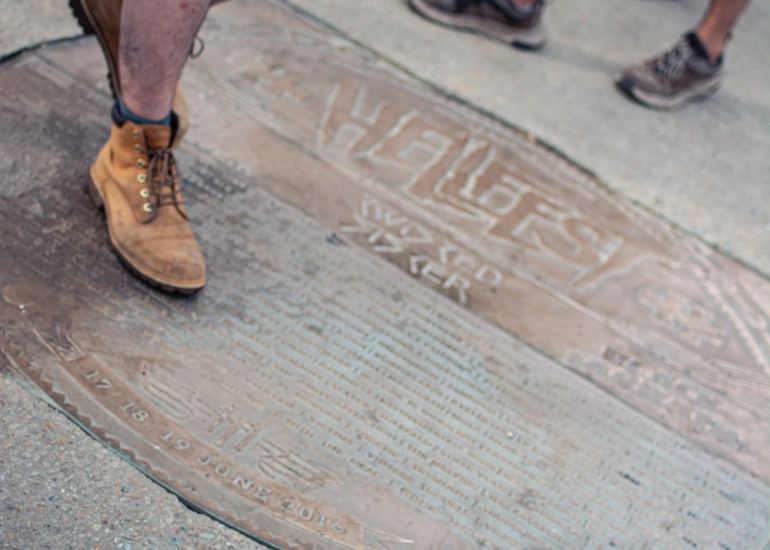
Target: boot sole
[
  {"x": 98, "y": 201},
  {"x": 86, "y": 21},
  {"x": 525, "y": 39}
]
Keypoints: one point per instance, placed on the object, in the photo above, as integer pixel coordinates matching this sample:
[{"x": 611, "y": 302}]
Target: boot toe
[
  {"x": 182, "y": 262},
  {"x": 173, "y": 263}
]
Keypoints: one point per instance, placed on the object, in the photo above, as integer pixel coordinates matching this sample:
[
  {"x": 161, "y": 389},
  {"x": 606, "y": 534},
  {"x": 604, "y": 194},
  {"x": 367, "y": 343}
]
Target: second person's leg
[
  {"x": 692, "y": 68},
  {"x": 717, "y": 24}
]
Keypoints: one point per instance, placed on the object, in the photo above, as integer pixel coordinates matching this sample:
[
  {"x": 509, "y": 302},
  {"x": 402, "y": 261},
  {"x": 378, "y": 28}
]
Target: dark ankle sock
[
  {"x": 136, "y": 119},
  {"x": 700, "y": 49}
]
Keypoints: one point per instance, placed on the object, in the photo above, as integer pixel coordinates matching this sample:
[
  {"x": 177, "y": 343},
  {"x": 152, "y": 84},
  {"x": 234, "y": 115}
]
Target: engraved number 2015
[{"x": 307, "y": 513}]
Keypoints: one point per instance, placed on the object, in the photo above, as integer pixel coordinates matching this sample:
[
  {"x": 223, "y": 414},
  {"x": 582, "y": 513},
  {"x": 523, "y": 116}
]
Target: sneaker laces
[
  {"x": 671, "y": 64},
  {"x": 164, "y": 184}
]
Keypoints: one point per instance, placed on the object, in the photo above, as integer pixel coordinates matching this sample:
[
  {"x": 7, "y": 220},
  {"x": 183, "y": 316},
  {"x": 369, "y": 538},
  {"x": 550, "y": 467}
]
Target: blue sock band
[{"x": 136, "y": 119}]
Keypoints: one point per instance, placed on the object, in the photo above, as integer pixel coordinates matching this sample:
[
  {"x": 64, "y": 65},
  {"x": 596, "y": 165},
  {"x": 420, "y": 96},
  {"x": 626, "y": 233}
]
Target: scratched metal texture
[{"x": 314, "y": 395}]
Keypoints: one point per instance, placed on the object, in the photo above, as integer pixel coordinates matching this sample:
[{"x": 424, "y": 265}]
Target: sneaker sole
[
  {"x": 526, "y": 39},
  {"x": 662, "y": 103},
  {"x": 98, "y": 201}
]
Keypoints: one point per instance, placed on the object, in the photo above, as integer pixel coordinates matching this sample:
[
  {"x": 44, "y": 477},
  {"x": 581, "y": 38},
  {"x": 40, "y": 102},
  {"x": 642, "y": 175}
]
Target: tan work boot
[
  {"x": 135, "y": 180},
  {"x": 102, "y": 18}
]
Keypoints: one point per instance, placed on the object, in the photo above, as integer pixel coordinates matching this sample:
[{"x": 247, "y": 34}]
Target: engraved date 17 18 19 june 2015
[{"x": 206, "y": 462}]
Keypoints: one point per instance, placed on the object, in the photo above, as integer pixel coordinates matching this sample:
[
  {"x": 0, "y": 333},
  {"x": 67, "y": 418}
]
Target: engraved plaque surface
[
  {"x": 316, "y": 396},
  {"x": 502, "y": 226}
]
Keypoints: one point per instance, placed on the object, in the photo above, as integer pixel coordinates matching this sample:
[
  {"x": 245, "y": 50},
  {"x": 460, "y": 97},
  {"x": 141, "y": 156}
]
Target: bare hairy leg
[
  {"x": 155, "y": 41},
  {"x": 716, "y": 25}
]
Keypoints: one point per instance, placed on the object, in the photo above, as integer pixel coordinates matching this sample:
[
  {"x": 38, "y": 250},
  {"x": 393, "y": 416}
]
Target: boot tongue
[{"x": 158, "y": 136}]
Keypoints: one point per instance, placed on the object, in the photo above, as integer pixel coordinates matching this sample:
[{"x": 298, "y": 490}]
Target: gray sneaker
[
  {"x": 497, "y": 19},
  {"x": 674, "y": 78}
]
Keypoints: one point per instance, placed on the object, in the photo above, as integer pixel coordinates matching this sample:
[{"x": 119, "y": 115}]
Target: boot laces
[
  {"x": 164, "y": 184},
  {"x": 671, "y": 64}
]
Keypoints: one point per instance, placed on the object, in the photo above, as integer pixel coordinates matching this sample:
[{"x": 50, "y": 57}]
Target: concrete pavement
[
  {"x": 62, "y": 490},
  {"x": 28, "y": 24}
]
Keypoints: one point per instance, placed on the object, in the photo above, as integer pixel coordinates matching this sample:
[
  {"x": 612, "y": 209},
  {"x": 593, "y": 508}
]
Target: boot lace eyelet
[
  {"x": 137, "y": 147},
  {"x": 140, "y": 163},
  {"x": 141, "y": 178},
  {"x": 163, "y": 182},
  {"x": 144, "y": 193},
  {"x": 147, "y": 207}
]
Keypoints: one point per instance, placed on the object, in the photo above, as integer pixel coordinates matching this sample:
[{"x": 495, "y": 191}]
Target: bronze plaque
[
  {"x": 316, "y": 396},
  {"x": 496, "y": 222}
]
